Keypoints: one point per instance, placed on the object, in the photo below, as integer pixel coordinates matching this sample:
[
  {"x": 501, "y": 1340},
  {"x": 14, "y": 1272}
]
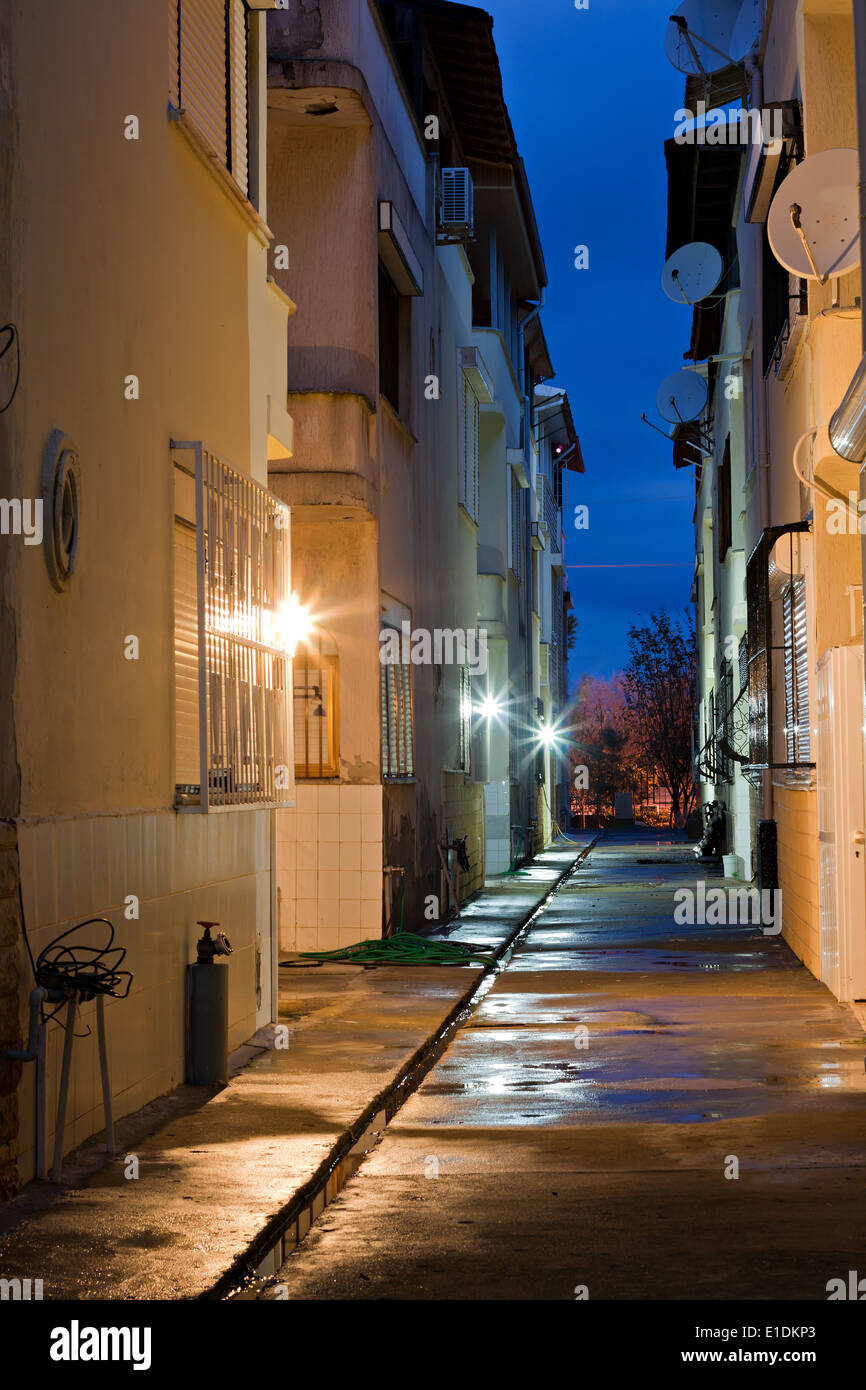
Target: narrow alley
[{"x": 612, "y": 1174}]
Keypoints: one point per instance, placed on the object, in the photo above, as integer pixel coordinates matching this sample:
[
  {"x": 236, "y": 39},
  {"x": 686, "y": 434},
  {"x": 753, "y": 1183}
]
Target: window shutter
[
  {"x": 398, "y": 731},
  {"x": 410, "y": 721},
  {"x": 801, "y": 672},
  {"x": 238, "y": 107},
  {"x": 471, "y": 412},
  {"x": 797, "y": 731},
  {"x": 187, "y": 763},
  {"x": 173, "y": 53},
  {"x": 204, "y": 69}
]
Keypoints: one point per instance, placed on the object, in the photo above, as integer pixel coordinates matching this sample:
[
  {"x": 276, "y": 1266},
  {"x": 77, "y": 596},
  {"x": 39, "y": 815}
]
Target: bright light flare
[
  {"x": 294, "y": 624},
  {"x": 489, "y": 707}
]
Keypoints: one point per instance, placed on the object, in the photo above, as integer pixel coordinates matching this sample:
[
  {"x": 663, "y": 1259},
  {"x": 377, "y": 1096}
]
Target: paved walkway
[
  {"x": 219, "y": 1175},
  {"x": 583, "y": 1130}
]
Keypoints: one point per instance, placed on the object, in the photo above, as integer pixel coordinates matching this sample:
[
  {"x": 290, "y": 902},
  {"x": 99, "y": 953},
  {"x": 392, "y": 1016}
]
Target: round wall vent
[{"x": 61, "y": 497}]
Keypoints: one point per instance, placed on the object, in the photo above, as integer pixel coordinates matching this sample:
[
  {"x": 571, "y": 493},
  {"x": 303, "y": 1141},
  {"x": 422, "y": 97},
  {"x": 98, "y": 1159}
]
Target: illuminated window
[
  {"x": 231, "y": 591},
  {"x": 314, "y": 681}
]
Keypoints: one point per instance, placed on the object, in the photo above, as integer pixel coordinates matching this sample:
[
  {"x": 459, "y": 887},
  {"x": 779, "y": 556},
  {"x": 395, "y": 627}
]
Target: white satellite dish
[
  {"x": 692, "y": 273},
  {"x": 814, "y": 221},
  {"x": 681, "y": 397},
  {"x": 704, "y": 36}
]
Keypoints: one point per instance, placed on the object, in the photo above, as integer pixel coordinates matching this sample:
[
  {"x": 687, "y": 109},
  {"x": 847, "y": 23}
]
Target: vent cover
[{"x": 456, "y": 211}]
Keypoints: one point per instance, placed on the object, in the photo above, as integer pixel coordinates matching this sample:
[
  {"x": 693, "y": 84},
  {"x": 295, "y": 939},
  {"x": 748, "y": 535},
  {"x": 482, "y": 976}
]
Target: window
[
  {"x": 723, "y": 502},
  {"x": 208, "y": 76},
  {"x": 516, "y": 527},
  {"x": 514, "y": 728},
  {"x": 398, "y": 731},
  {"x": 389, "y": 339},
  {"x": 464, "y": 742},
  {"x": 768, "y": 580},
  {"x": 796, "y": 673},
  {"x": 314, "y": 692},
  {"x": 232, "y": 595},
  {"x": 470, "y": 426}
]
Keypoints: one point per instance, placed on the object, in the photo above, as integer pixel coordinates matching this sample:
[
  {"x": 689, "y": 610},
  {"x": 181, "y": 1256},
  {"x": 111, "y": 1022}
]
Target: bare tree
[{"x": 659, "y": 683}]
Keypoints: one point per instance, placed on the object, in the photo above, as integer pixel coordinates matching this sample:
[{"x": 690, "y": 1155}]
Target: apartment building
[
  {"x": 410, "y": 371},
  {"x": 144, "y": 708},
  {"x": 778, "y": 584}
]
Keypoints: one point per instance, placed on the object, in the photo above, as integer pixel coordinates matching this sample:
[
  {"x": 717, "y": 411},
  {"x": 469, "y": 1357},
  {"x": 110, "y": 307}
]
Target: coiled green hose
[{"x": 405, "y": 948}]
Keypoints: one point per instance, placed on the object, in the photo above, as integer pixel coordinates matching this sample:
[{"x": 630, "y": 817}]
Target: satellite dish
[
  {"x": 814, "y": 221},
  {"x": 692, "y": 273},
  {"x": 681, "y": 397},
  {"x": 704, "y": 36}
]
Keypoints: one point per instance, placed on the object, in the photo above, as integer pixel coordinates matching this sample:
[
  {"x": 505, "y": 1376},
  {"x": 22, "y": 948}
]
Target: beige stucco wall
[
  {"x": 811, "y": 49},
  {"x": 132, "y": 259}
]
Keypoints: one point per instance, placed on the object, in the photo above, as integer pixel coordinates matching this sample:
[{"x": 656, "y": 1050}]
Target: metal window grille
[
  {"x": 232, "y": 663},
  {"x": 464, "y": 745},
  {"x": 314, "y": 690},
  {"x": 761, "y": 656},
  {"x": 389, "y": 339},
  {"x": 513, "y": 741},
  {"x": 797, "y": 740},
  {"x": 207, "y": 77},
  {"x": 470, "y": 432},
  {"x": 548, "y": 512},
  {"x": 398, "y": 732},
  {"x": 516, "y": 528}
]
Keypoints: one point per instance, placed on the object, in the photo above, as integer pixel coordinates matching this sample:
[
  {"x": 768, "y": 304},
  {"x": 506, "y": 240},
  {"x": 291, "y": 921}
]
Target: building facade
[
  {"x": 778, "y": 584},
  {"x": 422, "y": 550},
  {"x": 282, "y": 598},
  {"x": 144, "y": 723}
]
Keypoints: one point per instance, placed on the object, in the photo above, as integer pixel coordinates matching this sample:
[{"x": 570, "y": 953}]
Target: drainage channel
[{"x": 252, "y": 1276}]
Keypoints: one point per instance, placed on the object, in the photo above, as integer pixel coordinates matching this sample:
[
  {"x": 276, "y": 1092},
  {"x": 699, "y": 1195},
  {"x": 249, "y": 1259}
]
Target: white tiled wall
[
  {"x": 329, "y": 867},
  {"x": 498, "y": 809},
  {"x": 181, "y": 867}
]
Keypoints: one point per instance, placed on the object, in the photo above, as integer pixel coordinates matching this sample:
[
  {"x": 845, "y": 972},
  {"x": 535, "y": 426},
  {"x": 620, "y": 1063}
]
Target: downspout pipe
[
  {"x": 860, "y": 79},
  {"x": 755, "y": 74}
]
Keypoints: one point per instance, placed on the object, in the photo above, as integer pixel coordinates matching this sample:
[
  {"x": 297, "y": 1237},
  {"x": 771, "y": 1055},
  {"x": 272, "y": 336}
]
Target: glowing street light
[{"x": 489, "y": 707}]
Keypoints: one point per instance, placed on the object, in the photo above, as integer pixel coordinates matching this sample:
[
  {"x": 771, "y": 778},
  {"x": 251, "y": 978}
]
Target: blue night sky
[{"x": 592, "y": 99}]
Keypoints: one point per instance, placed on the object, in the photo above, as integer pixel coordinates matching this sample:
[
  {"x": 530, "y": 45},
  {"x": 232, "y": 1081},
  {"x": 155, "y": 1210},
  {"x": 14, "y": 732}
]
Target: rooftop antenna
[
  {"x": 814, "y": 220},
  {"x": 705, "y": 36},
  {"x": 682, "y": 397},
  {"x": 692, "y": 273}
]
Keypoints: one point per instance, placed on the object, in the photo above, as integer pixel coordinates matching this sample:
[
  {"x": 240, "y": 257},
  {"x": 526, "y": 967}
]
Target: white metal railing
[
  {"x": 548, "y": 512},
  {"x": 243, "y": 602}
]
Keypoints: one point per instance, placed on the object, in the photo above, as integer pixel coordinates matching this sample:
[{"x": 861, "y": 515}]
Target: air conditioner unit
[
  {"x": 456, "y": 205},
  {"x": 841, "y": 851}
]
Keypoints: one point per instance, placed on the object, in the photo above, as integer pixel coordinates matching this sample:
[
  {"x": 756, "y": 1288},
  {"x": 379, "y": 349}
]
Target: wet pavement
[
  {"x": 583, "y": 1128},
  {"x": 216, "y": 1175}
]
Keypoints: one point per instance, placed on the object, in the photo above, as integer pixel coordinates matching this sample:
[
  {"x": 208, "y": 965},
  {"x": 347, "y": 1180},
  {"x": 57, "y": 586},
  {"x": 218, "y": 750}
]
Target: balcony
[{"x": 548, "y": 513}]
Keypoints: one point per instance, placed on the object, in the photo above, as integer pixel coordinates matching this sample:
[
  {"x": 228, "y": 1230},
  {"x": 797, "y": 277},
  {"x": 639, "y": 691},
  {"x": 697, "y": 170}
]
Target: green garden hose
[
  {"x": 404, "y": 948},
  {"x": 511, "y": 871}
]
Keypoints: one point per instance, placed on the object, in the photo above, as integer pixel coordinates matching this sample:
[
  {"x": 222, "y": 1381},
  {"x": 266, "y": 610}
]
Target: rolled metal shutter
[
  {"x": 204, "y": 69},
  {"x": 797, "y": 730},
  {"x": 238, "y": 108},
  {"x": 173, "y": 53},
  {"x": 801, "y": 671}
]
